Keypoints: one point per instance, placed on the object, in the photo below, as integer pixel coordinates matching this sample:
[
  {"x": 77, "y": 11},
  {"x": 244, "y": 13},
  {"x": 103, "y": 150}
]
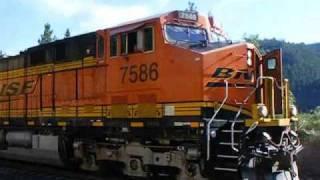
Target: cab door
[{"x": 272, "y": 67}]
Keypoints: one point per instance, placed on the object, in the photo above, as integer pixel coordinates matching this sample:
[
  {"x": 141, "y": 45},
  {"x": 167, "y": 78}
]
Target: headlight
[
  {"x": 249, "y": 58},
  {"x": 262, "y": 110},
  {"x": 213, "y": 134},
  {"x": 252, "y": 77},
  {"x": 293, "y": 110},
  {"x": 266, "y": 135}
]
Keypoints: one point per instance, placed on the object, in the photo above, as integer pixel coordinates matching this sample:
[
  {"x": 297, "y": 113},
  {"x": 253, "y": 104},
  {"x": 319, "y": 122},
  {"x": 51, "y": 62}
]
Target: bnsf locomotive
[{"x": 165, "y": 95}]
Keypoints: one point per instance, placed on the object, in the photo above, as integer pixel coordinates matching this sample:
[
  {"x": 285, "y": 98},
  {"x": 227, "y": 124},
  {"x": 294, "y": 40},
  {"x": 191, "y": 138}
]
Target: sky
[{"x": 22, "y": 21}]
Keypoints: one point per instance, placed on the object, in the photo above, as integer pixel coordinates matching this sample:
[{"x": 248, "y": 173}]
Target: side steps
[{"x": 225, "y": 159}]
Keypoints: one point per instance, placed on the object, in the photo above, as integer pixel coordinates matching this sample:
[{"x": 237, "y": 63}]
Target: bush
[{"x": 309, "y": 125}]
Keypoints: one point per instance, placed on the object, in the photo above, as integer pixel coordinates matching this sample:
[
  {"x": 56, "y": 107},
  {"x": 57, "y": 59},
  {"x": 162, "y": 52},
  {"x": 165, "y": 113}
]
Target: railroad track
[{"x": 17, "y": 170}]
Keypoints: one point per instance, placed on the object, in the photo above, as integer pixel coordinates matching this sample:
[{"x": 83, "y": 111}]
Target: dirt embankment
[{"x": 309, "y": 162}]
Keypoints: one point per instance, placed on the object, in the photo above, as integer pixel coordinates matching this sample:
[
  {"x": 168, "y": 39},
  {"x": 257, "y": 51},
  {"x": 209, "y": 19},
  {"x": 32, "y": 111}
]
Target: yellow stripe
[
  {"x": 17, "y": 113},
  {"x": 274, "y": 122},
  {"x": 47, "y": 112},
  {"x": 147, "y": 110},
  {"x": 195, "y": 124},
  {"x": 46, "y": 68},
  {"x": 119, "y": 111},
  {"x": 40, "y": 69},
  {"x": 30, "y": 123},
  {"x": 62, "y": 123},
  {"x": 90, "y": 115},
  {"x": 16, "y": 73},
  {"x": 90, "y": 111},
  {"x": 188, "y": 108},
  {"x": 187, "y": 113},
  {"x": 33, "y": 113},
  {"x": 97, "y": 124},
  {"x": 187, "y": 104},
  {"x": 122, "y": 111},
  {"x": 236, "y": 109},
  {"x": 137, "y": 124},
  {"x": 4, "y": 113},
  {"x": 68, "y": 65},
  {"x": 3, "y": 75}
]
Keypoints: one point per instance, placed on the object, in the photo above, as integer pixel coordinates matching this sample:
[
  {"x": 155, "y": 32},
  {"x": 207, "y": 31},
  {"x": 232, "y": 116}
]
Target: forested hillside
[{"x": 302, "y": 67}]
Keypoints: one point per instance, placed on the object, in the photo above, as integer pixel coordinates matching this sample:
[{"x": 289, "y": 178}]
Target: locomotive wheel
[
  {"x": 283, "y": 175},
  {"x": 65, "y": 150},
  {"x": 262, "y": 174},
  {"x": 286, "y": 175},
  {"x": 2, "y": 140}
]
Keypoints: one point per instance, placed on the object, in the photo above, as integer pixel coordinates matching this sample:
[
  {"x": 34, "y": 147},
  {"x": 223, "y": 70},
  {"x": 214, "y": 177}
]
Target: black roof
[{"x": 42, "y": 46}]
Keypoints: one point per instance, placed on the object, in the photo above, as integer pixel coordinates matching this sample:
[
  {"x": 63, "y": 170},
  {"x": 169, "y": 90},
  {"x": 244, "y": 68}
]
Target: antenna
[{"x": 191, "y": 7}]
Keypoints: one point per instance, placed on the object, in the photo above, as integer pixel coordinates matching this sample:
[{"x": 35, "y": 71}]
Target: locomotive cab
[{"x": 244, "y": 87}]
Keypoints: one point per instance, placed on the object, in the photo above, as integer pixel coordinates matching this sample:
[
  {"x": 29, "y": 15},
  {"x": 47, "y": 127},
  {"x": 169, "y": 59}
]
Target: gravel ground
[
  {"x": 16, "y": 170},
  {"x": 309, "y": 162}
]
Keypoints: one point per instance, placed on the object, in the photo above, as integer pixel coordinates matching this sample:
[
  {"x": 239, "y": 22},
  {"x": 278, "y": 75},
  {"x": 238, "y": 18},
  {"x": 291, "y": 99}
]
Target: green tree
[
  {"x": 1, "y": 54},
  {"x": 309, "y": 125},
  {"x": 254, "y": 39},
  {"x": 47, "y": 35},
  {"x": 301, "y": 64},
  {"x": 191, "y": 7},
  {"x": 67, "y": 33},
  {"x": 292, "y": 98}
]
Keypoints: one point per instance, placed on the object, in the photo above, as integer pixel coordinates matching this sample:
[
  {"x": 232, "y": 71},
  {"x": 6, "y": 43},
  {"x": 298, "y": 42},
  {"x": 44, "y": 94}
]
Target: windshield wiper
[
  {"x": 201, "y": 44},
  {"x": 180, "y": 41}
]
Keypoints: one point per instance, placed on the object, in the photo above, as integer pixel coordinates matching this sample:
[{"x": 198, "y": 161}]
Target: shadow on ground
[{"x": 309, "y": 162}]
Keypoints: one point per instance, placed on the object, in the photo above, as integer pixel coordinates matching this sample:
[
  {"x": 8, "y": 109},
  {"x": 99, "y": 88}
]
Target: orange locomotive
[{"x": 164, "y": 95}]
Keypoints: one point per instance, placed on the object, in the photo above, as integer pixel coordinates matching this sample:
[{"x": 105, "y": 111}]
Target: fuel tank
[{"x": 19, "y": 139}]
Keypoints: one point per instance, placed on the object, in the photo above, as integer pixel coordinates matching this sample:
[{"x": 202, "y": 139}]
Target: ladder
[{"x": 225, "y": 158}]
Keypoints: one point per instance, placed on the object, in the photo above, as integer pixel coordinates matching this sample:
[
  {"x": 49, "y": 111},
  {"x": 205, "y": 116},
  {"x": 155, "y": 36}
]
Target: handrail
[
  {"x": 259, "y": 79},
  {"x": 214, "y": 116}
]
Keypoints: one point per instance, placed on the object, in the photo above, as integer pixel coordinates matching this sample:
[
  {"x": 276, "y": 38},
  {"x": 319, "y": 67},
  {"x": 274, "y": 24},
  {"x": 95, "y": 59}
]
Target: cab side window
[
  {"x": 113, "y": 45},
  {"x": 100, "y": 46},
  {"x": 123, "y": 38},
  {"x": 140, "y": 40},
  {"x": 132, "y": 42},
  {"x": 148, "y": 39}
]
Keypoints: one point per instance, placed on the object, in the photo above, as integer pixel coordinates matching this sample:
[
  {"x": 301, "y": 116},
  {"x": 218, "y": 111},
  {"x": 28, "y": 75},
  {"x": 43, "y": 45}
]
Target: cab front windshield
[{"x": 177, "y": 33}]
